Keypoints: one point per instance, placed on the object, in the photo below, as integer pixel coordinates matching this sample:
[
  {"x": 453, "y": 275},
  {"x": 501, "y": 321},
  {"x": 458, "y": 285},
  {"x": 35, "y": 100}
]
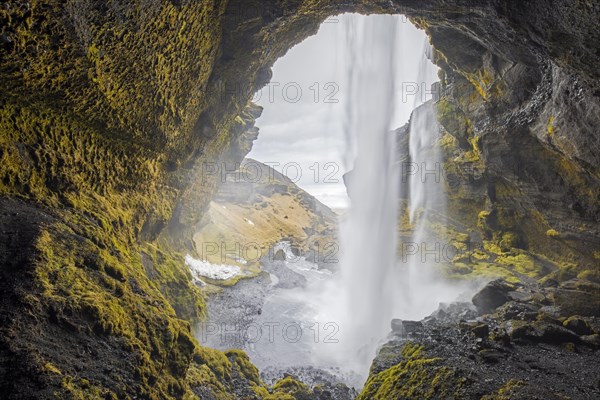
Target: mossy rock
[
  {"x": 417, "y": 376},
  {"x": 289, "y": 387}
]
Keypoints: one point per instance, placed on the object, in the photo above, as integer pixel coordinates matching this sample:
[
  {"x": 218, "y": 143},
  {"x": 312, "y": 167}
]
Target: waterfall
[
  {"x": 369, "y": 232},
  {"x": 376, "y": 284},
  {"x": 423, "y": 289},
  {"x": 342, "y": 317}
]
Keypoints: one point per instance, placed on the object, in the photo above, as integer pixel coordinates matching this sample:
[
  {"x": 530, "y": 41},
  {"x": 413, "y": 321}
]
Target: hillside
[{"x": 256, "y": 207}]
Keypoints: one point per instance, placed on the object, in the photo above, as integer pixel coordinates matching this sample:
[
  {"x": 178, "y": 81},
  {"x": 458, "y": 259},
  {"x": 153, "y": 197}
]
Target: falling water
[
  {"x": 346, "y": 315},
  {"x": 422, "y": 286},
  {"x": 369, "y": 233},
  {"x": 376, "y": 284}
]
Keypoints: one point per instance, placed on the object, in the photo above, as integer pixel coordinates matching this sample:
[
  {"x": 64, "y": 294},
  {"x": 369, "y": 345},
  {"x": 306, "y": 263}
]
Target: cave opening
[
  {"x": 111, "y": 110},
  {"x": 329, "y": 99}
]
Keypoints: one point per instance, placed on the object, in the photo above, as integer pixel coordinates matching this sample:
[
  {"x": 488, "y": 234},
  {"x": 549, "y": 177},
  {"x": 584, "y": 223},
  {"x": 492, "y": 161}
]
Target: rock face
[
  {"x": 516, "y": 350},
  {"x": 111, "y": 110}
]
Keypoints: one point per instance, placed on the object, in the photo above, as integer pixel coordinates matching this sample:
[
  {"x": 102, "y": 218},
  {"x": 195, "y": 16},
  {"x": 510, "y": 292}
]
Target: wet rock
[
  {"x": 492, "y": 296},
  {"x": 551, "y": 333},
  {"x": 405, "y": 328},
  {"x": 543, "y": 317},
  {"x": 578, "y": 301},
  {"x": 455, "y": 311}
]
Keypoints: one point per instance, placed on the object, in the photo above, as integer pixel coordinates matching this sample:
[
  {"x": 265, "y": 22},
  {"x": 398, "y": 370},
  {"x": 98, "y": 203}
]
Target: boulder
[
  {"x": 492, "y": 296},
  {"x": 490, "y": 356},
  {"x": 540, "y": 331},
  {"x": 481, "y": 331},
  {"x": 578, "y": 325}
]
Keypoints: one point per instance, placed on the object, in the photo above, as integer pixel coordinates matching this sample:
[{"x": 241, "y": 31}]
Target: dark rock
[
  {"x": 490, "y": 356},
  {"x": 481, "y": 330},
  {"x": 550, "y": 283},
  {"x": 455, "y": 311},
  {"x": 551, "y": 333},
  {"x": 578, "y": 325},
  {"x": 532, "y": 127},
  {"x": 578, "y": 301},
  {"x": 493, "y": 295},
  {"x": 279, "y": 255}
]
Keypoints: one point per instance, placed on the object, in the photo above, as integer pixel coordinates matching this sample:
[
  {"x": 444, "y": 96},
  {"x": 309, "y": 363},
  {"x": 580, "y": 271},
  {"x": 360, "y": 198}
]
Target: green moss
[
  {"x": 417, "y": 376},
  {"x": 486, "y": 84},
  {"x": 289, "y": 386},
  {"x": 52, "y": 368},
  {"x": 217, "y": 361},
  {"x": 509, "y": 241},
  {"x": 240, "y": 360},
  {"x": 202, "y": 376},
  {"x": 506, "y": 392},
  {"x": 521, "y": 263},
  {"x": 492, "y": 247},
  {"x": 552, "y": 233},
  {"x": 550, "y": 126},
  {"x": 82, "y": 389}
]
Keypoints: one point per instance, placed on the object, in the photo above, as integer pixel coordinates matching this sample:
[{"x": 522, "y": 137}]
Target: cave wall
[
  {"x": 522, "y": 104},
  {"x": 110, "y": 111}
]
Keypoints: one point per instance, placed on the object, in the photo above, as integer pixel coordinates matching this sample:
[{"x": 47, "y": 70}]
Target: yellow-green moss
[
  {"x": 485, "y": 83},
  {"x": 590, "y": 275},
  {"x": 291, "y": 388},
  {"x": 52, "y": 368},
  {"x": 417, "y": 376},
  {"x": 83, "y": 389},
  {"x": 521, "y": 263},
  {"x": 552, "y": 233},
  {"x": 241, "y": 361},
  {"x": 506, "y": 392},
  {"x": 550, "y": 126}
]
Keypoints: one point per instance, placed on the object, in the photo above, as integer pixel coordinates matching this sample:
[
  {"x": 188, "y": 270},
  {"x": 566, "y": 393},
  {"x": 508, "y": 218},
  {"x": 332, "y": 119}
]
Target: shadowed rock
[{"x": 492, "y": 296}]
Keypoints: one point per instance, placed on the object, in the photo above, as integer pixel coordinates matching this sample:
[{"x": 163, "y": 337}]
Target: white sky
[{"x": 301, "y": 131}]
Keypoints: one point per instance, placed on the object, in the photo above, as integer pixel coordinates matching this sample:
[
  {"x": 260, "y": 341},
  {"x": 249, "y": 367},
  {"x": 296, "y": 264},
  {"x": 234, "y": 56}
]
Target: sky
[{"x": 301, "y": 128}]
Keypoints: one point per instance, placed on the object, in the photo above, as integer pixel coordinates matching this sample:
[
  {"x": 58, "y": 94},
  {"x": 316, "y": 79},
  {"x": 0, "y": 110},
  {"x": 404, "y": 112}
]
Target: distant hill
[{"x": 256, "y": 208}]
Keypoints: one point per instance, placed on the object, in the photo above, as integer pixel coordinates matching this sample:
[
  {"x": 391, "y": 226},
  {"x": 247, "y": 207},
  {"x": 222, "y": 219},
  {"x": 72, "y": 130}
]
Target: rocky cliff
[{"x": 111, "y": 110}]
